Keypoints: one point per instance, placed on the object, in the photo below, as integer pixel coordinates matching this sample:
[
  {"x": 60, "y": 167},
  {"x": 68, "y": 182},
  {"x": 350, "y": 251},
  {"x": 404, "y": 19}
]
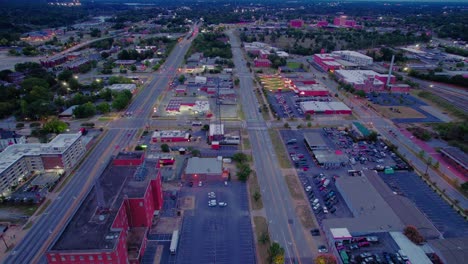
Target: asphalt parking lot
[
  {"x": 376, "y": 250},
  {"x": 286, "y": 104},
  {"x": 444, "y": 218},
  {"x": 217, "y": 234},
  {"x": 309, "y": 175}
]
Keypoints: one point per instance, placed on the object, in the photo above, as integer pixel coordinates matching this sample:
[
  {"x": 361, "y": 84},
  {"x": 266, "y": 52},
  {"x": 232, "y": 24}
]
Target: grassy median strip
[
  {"x": 263, "y": 241},
  {"x": 281, "y": 153},
  {"x": 294, "y": 187},
  {"x": 43, "y": 207},
  {"x": 305, "y": 215},
  {"x": 255, "y": 193},
  {"x": 245, "y": 143}
]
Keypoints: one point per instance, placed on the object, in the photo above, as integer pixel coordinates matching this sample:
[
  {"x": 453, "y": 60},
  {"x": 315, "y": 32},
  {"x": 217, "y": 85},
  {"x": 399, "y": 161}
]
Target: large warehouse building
[
  {"x": 314, "y": 107},
  {"x": 112, "y": 222},
  {"x": 365, "y": 80}
]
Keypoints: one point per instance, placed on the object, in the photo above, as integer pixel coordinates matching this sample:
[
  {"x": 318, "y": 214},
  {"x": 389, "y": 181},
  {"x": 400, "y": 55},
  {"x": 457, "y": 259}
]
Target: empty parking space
[
  {"x": 214, "y": 233},
  {"x": 444, "y": 218}
]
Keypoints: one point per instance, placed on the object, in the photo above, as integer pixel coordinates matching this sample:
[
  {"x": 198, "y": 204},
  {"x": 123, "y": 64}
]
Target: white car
[
  {"x": 211, "y": 204},
  {"x": 222, "y": 204},
  {"x": 211, "y": 195},
  {"x": 308, "y": 188},
  {"x": 200, "y": 184},
  {"x": 225, "y": 183},
  {"x": 316, "y": 207},
  {"x": 325, "y": 209}
]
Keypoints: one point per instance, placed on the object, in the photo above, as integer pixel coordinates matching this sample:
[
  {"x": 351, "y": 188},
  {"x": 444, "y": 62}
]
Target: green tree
[
  {"x": 464, "y": 187},
  {"x": 243, "y": 171},
  {"x": 133, "y": 68},
  {"x": 165, "y": 148},
  {"x": 275, "y": 251},
  {"x": 264, "y": 238},
  {"x": 240, "y": 157},
  {"x": 257, "y": 196},
  {"x": 55, "y": 126},
  {"x": 122, "y": 99},
  {"x": 85, "y": 110},
  {"x": 103, "y": 107},
  {"x": 65, "y": 75},
  {"x": 195, "y": 153},
  {"x": 119, "y": 79},
  {"x": 181, "y": 78}
]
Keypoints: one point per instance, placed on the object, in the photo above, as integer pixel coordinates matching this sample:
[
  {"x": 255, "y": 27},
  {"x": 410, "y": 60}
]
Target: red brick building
[
  {"x": 111, "y": 224},
  {"x": 265, "y": 63},
  {"x": 296, "y": 23}
]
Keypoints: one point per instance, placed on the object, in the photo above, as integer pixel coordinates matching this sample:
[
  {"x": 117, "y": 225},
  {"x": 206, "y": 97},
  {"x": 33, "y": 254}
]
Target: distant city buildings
[
  {"x": 296, "y": 23},
  {"x": 343, "y": 21}
]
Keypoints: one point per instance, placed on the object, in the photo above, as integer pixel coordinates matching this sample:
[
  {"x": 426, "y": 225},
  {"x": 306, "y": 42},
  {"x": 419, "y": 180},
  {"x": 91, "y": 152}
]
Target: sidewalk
[{"x": 435, "y": 156}]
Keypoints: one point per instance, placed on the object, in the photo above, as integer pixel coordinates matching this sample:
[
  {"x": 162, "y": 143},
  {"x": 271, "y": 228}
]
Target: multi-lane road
[
  {"x": 118, "y": 135},
  {"x": 284, "y": 225}
]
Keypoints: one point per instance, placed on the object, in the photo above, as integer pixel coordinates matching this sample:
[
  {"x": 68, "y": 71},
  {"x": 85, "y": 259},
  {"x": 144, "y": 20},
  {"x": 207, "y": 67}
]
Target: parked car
[
  {"x": 222, "y": 204},
  {"x": 322, "y": 249},
  {"x": 315, "y": 232},
  {"x": 364, "y": 244}
]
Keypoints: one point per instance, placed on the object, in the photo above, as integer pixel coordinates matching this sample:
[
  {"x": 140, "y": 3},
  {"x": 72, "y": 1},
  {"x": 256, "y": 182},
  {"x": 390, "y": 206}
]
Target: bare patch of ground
[
  {"x": 305, "y": 215},
  {"x": 187, "y": 203},
  {"x": 400, "y": 112},
  {"x": 294, "y": 187},
  {"x": 166, "y": 225}
]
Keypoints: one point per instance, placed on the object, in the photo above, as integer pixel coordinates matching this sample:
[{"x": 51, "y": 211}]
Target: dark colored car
[{"x": 315, "y": 232}]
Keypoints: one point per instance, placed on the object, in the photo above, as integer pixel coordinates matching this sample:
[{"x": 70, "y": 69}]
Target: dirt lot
[
  {"x": 404, "y": 112},
  {"x": 187, "y": 203},
  {"x": 167, "y": 225}
]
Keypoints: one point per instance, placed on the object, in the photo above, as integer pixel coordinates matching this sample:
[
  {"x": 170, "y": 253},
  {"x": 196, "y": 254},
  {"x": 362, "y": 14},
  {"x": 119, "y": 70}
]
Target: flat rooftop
[
  {"x": 351, "y": 53},
  {"x": 170, "y": 134},
  {"x": 216, "y": 129},
  {"x": 323, "y": 106},
  {"x": 359, "y": 76},
  {"x": 329, "y": 156},
  {"x": 198, "y": 165},
  {"x": 15, "y": 152},
  {"x": 315, "y": 139},
  {"x": 371, "y": 212},
  {"x": 88, "y": 229},
  {"x": 311, "y": 87},
  {"x": 130, "y": 155}
]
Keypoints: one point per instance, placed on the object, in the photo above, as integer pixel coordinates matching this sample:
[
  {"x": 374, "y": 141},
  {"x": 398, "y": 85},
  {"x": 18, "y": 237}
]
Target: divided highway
[
  {"x": 284, "y": 226},
  {"x": 121, "y": 132}
]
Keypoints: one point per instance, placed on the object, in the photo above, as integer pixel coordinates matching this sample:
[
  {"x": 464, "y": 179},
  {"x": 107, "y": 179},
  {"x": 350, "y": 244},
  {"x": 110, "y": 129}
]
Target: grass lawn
[
  {"x": 254, "y": 187},
  {"x": 294, "y": 65},
  {"x": 261, "y": 227},
  {"x": 281, "y": 153},
  {"x": 245, "y": 142}
]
